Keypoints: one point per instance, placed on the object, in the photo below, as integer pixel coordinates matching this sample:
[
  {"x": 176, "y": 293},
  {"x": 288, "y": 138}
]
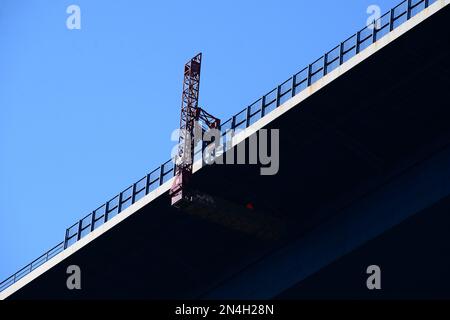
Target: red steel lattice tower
[{"x": 191, "y": 113}]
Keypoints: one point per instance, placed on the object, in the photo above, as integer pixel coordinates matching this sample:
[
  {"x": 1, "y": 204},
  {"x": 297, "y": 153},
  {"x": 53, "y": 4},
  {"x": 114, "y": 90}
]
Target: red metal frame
[{"x": 191, "y": 113}]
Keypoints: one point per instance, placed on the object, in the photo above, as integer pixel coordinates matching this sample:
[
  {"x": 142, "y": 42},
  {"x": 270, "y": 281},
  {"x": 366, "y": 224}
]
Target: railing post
[
  {"x": 374, "y": 31},
  {"x": 358, "y": 40},
  {"x": 119, "y": 204},
  {"x": 92, "y": 221},
  {"x": 341, "y": 53},
  {"x": 392, "y": 20},
  {"x": 325, "y": 64},
  {"x": 233, "y": 122},
  {"x": 80, "y": 224},
  {"x": 408, "y": 10},
  {"x": 309, "y": 74},
  {"x": 263, "y": 105},
  {"x": 133, "y": 195},
  {"x": 247, "y": 122},
  {"x": 161, "y": 174},
  {"x": 106, "y": 211},
  {"x": 277, "y": 102},
  {"x": 65, "y": 239},
  {"x": 294, "y": 80},
  {"x": 427, "y": 3},
  {"x": 147, "y": 184}
]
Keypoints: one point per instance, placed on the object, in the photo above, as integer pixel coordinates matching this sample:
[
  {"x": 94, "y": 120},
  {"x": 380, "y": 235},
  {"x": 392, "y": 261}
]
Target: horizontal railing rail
[{"x": 246, "y": 117}]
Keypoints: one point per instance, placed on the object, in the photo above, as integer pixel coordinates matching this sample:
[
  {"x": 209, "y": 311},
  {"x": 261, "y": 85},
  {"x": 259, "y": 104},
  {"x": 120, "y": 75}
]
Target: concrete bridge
[{"x": 364, "y": 179}]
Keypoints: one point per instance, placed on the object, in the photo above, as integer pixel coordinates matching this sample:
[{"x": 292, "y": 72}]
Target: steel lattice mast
[{"x": 191, "y": 113}]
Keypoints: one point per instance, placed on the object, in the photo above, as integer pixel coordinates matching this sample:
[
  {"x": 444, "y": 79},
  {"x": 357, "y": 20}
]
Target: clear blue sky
[{"x": 84, "y": 113}]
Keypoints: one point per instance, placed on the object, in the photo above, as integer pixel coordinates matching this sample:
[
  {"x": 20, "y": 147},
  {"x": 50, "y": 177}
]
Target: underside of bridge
[{"x": 364, "y": 178}]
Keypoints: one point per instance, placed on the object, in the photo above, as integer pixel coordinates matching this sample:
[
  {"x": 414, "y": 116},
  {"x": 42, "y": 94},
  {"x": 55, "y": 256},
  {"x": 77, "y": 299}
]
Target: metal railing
[
  {"x": 31, "y": 266},
  {"x": 255, "y": 111},
  {"x": 119, "y": 203}
]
